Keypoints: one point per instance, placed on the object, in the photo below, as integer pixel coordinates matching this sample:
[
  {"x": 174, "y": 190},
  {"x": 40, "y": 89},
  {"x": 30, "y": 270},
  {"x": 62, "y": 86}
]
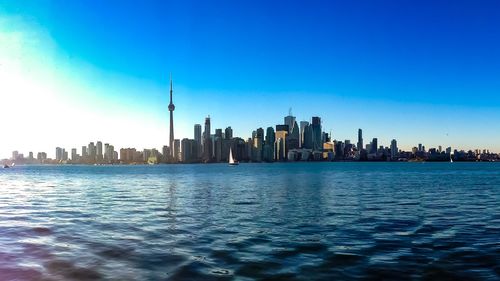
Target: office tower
[
  {"x": 106, "y": 152},
  {"x": 64, "y": 155},
  {"x": 186, "y": 150},
  {"x": 218, "y": 145},
  {"x": 440, "y": 149},
  {"x": 171, "y": 108},
  {"x": 293, "y": 136},
  {"x": 280, "y": 148},
  {"x": 394, "y": 149},
  {"x": 74, "y": 156},
  {"x": 92, "y": 152},
  {"x": 448, "y": 150},
  {"x": 419, "y": 147},
  {"x": 84, "y": 153},
  {"x": 166, "y": 153},
  {"x": 197, "y": 140},
  {"x": 15, "y": 155},
  {"x": 373, "y": 146},
  {"x": 112, "y": 155},
  {"x": 177, "y": 150},
  {"x": 316, "y": 134},
  {"x": 289, "y": 121},
  {"x": 307, "y": 137},
  {"x": 218, "y": 133},
  {"x": 228, "y": 133},
  {"x": 257, "y": 144},
  {"x": 59, "y": 153},
  {"x": 360, "y": 139},
  {"x": 41, "y": 156},
  {"x": 207, "y": 141},
  {"x": 303, "y": 125},
  {"x": 99, "y": 151},
  {"x": 268, "y": 149}
]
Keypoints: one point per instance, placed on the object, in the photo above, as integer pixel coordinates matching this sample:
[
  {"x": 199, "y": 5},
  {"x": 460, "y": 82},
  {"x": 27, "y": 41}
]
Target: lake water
[{"x": 288, "y": 221}]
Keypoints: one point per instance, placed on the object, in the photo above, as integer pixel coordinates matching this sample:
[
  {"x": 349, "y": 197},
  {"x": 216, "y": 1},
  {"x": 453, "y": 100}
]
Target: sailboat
[
  {"x": 232, "y": 162},
  {"x": 451, "y": 159}
]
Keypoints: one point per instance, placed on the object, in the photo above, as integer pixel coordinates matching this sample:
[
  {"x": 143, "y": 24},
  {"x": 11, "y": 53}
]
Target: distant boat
[
  {"x": 232, "y": 162},
  {"x": 6, "y": 166},
  {"x": 451, "y": 159}
]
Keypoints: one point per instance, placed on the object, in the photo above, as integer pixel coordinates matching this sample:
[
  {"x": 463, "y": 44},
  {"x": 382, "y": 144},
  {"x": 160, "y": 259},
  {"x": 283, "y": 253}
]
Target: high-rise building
[
  {"x": 308, "y": 137},
  {"x": 197, "y": 139},
  {"x": 293, "y": 136},
  {"x": 289, "y": 120},
  {"x": 303, "y": 125},
  {"x": 92, "y": 152},
  {"x": 171, "y": 108},
  {"x": 177, "y": 150},
  {"x": 419, "y": 147},
  {"x": 374, "y": 146},
  {"x": 207, "y": 141},
  {"x": 84, "y": 153},
  {"x": 317, "y": 136},
  {"x": 99, "y": 151},
  {"x": 280, "y": 148},
  {"x": 30, "y": 155},
  {"x": 228, "y": 133},
  {"x": 15, "y": 155},
  {"x": 394, "y": 149},
  {"x": 360, "y": 139},
  {"x": 74, "y": 156},
  {"x": 186, "y": 150},
  {"x": 59, "y": 154}
]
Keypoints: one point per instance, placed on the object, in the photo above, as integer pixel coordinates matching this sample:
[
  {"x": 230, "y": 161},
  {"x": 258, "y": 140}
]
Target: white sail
[{"x": 231, "y": 160}]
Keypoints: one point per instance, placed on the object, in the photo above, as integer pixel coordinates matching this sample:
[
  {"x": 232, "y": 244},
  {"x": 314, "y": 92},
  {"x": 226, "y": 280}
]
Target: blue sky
[{"x": 418, "y": 71}]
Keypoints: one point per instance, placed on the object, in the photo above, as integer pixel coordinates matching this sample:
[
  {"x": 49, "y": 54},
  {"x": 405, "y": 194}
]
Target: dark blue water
[{"x": 297, "y": 221}]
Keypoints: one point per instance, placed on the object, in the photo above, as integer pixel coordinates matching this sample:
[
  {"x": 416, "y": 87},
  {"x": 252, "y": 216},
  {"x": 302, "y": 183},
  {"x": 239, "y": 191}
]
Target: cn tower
[{"x": 171, "y": 108}]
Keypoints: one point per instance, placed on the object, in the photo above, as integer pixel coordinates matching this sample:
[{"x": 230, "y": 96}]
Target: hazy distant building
[
  {"x": 99, "y": 151},
  {"x": 59, "y": 154},
  {"x": 74, "y": 156},
  {"x": 92, "y": 152}
]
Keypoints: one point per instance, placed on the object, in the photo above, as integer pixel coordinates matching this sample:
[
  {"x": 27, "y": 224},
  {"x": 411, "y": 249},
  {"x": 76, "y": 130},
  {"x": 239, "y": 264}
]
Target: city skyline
[{"x": 385, "y": 74}]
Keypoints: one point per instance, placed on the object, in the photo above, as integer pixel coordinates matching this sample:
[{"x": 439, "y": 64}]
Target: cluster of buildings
[{"x": 289, "y": 141}]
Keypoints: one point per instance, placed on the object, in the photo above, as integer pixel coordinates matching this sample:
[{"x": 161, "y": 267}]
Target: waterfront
[{"x": 306, "y": 221}]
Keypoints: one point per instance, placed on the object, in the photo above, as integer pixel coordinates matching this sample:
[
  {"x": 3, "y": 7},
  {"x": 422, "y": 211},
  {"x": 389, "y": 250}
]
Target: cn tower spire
[{"x": 171, "y": 108}]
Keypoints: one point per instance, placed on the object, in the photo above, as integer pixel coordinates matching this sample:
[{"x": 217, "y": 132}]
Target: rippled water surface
[{"x": 304, "y": 221}]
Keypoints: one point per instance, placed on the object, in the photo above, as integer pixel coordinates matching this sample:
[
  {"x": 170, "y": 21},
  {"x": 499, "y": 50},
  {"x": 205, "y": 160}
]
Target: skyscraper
[
  {"x": 207, "y": 141},
  {"x": 99, "y": 151},
  {"x": 171, "y": 108},
  {"x": 228, "y": 133},
  {"x": 197, "y": 139},
  {"x": 394, "y": 149},
  {"x": 303, "y": 125},
  {"x": 374, "y": 146},
  {"x": 280, "y": 147},
  {"x": 316, "y": 131},
  {"x": 360, "y": 139}
]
